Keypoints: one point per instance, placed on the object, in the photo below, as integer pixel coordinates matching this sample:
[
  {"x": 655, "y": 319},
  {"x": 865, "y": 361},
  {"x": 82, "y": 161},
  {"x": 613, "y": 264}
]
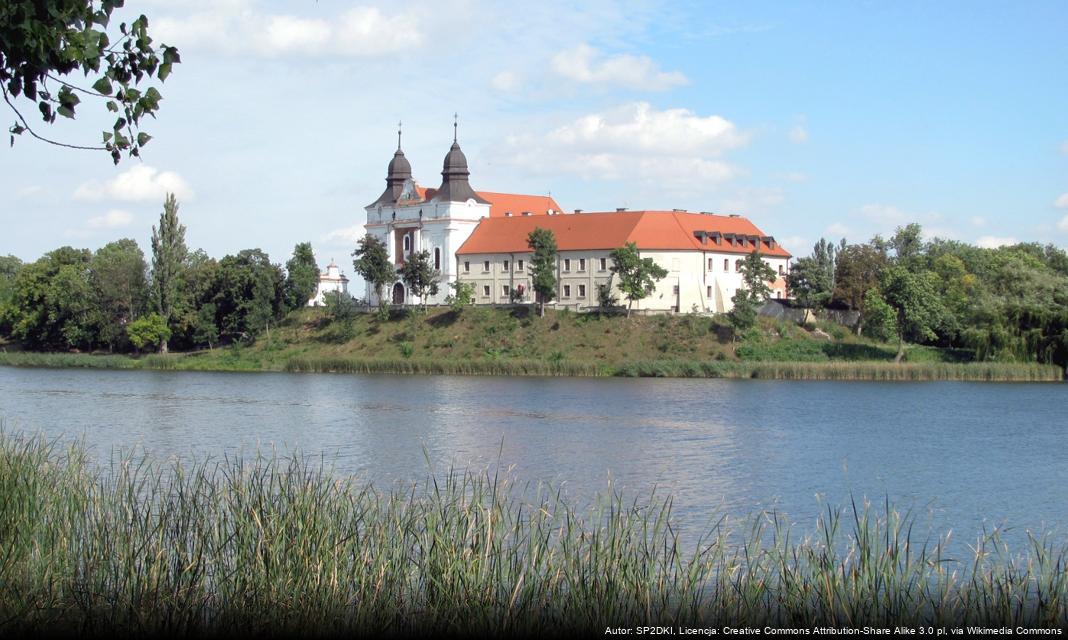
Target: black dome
[
  {"x": 399, "y": 167},
  {"x": 455, "y": 160}
]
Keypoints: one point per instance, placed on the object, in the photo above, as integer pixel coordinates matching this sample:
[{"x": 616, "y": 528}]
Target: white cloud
[
  {"x": 978, "y": 221},
  {"x": 345, "y": 236},
  {"x": 640, "y": 127},
  {"x": 136, "y": 184},
  {"x": 798, "y": 135},
  {"x": 113, "y": 219},
  {"x": 838, "y": 230},
  {"x": 240, "y": 28},
  {"x": 1061, "y": 202},
  {"x": 885, "y": 214},
  {"x": 796, "y": 244},
  {"x": 1063, "y": 224},
  {"x": 506, "y": 81},
  {"x": 587, "y": 65},
  {"x": 750, "y": 200},
  {"x": 993, "y": 242},
  {"x": 675, "y": 148}
]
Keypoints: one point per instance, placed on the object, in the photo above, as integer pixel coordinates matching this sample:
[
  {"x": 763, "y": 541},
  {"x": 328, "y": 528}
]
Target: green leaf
[
  {"x": 65, "y": 111},
  {"x": 113, "y": 106},
  {"x": 164, "y": 71},
  {"x": 142, "y": 139},
  {"x": 107, "y": 136},
  {"x": 102, "y": 86}
]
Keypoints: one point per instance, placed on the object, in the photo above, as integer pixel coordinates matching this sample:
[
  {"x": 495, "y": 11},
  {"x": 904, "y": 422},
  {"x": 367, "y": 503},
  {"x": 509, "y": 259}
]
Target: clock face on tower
[{"x": 408, "y": 191}]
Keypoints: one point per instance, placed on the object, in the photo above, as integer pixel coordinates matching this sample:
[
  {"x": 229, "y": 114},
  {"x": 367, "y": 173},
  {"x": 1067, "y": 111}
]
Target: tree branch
[
  {"x": 77, "y": 88},
  {"x": 26, "y": 126}
]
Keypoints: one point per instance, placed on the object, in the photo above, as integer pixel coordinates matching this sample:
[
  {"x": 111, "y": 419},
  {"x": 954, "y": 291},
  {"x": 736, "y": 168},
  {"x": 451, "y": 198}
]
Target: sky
[{"x": 813, "y": 119}]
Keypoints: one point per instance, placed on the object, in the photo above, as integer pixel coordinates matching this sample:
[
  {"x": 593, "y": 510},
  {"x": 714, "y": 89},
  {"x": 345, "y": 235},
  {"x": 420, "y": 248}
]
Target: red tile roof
[
  {"x": 505, "y": 203},
  {"x": 650, "y": 230}
]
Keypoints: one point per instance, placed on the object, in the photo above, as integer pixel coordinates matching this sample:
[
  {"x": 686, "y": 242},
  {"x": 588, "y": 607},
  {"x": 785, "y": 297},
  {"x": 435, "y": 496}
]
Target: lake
[{"x": 962, "y": 456}]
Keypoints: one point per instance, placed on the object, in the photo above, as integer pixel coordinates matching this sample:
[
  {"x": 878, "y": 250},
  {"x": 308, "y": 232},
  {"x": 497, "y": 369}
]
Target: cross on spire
[
  {"x": 398, "y": 135},
  {"x": 455, "y": 124}
]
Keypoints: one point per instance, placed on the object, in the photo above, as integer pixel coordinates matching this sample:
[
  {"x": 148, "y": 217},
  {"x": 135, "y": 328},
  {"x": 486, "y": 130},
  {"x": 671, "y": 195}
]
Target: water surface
[{"x": 965, "y": 456}]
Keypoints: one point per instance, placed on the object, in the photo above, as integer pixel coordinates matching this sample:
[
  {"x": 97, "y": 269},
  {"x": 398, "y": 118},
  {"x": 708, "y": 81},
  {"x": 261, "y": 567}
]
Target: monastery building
[{"x": 481, "y": 237}]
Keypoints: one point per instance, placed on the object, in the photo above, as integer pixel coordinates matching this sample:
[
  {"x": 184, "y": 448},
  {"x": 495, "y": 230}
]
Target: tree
[
  {"x": 250, "y": 293},
  {"x": 373, "y": 264},
  {"x": 543, "y": 266},
  {"x": 117, "y": 273},
  {"x": 302, "y": 276},
  {"x": 463, "y": 295},
  {"x": 811, "y": 279},
  {"x": 419, "y": 275},
  {"x": 858, "y": 269},
  {"x": 44, "y": 42},
  {"x": 149, "y": 331},
  {"x": 9, "y": 270},
  {"x": 756, "y": 274},
  {"x": 168, "y": 262},
  {"x": 197, "y": 287},
  {"x": 205, "y": 327},
  {"x": 637, "y": 276},
  {"x": 908, "y": 244},
  {"x": 915, "y": 302},
  {"x": 51, "y": 305}
]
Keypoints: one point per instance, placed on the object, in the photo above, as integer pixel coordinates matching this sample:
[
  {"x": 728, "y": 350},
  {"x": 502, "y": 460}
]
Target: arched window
[
  {"x": 407, "y": 243},
  {"x": 437, "y": 258}
]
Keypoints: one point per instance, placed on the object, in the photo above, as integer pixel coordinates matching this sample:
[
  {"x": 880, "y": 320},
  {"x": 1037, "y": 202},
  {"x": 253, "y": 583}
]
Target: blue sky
[{"x": 812, "y": 119}]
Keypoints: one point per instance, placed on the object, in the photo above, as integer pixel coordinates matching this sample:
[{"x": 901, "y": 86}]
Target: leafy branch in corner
[{"x": 43, "y": 43}]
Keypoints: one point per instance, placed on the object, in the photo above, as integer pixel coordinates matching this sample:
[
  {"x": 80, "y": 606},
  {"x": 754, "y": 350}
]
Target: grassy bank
[
  {"x": 512, "y": 342},
  {"x": 282, "y": 546}
]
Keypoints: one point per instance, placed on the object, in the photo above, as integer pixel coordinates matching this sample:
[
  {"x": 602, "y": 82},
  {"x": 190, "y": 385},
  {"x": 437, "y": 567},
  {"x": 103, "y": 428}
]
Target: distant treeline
[
  {"x": 1005, "y": 304},
  {"x": 113, "y": 300}
]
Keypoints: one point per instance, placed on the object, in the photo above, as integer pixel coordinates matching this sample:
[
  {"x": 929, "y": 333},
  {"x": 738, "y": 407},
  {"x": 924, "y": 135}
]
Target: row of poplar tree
[{"x": 112, "y": 299}]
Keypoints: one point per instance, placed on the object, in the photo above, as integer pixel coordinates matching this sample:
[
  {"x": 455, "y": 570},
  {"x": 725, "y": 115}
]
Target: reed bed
[{"x": 278, "y": 545}]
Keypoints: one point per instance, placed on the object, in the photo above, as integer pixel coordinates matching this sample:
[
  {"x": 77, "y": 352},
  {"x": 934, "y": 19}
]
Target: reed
[{"x": 278, "y": 545}]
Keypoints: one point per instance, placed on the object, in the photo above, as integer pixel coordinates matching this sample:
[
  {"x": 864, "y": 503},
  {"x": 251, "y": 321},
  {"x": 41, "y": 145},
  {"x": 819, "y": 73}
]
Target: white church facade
[{"x": 480, "y": 237}]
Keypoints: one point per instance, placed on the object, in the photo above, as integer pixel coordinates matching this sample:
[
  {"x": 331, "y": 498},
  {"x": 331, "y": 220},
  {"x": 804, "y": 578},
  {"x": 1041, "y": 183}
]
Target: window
[
  {"x": 506, "y": 266},
  {"x": 582, "y": 264},
  {"x": 467, "y": 267},
  {"x": 780, "y": 270},
  {"x": 505, "y": 291},
  {"x": 582, "y": 291},
  {"x": 709, "y": 296},
  {"x": 725, "y": 263},
  {"x": 485, "y": 290},
  {"x": 567, "y": 291},
  {"x": 437, "y": 258},
  {"x": 519, "y": 265},
  {"x": 737, "y": 265},
  {"x": 567, "y": 264},
  {"x": 407, "y": 243},
  {"x": 710, "y": 264},
  {"x": 604, "y": 264},
  {"x": 675, "y": 290}
]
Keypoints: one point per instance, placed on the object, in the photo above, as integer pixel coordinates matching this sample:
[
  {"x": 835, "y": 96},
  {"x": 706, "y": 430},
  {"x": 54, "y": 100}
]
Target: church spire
[
  {"x": 454, "y": 184},
  {"x": 398, "y": 172}
]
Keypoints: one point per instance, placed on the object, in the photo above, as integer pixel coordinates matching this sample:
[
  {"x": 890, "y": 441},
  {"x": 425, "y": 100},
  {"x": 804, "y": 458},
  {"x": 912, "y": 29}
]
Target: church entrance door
[{"x": 398, "y": 293}]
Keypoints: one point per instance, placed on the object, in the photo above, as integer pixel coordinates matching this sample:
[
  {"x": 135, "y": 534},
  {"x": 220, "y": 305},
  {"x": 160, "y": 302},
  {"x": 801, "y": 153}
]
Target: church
[{"x": 480, "y": 237}]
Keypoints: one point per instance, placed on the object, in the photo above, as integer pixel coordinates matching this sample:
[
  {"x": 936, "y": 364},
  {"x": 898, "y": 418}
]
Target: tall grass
[
  {"x": 556, "y": 365},
  {"x": 280, "y": 545}
]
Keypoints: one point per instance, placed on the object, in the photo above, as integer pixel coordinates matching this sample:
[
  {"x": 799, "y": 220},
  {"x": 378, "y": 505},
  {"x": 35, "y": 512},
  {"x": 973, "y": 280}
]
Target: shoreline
[{"x": 667, "y": 368}]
